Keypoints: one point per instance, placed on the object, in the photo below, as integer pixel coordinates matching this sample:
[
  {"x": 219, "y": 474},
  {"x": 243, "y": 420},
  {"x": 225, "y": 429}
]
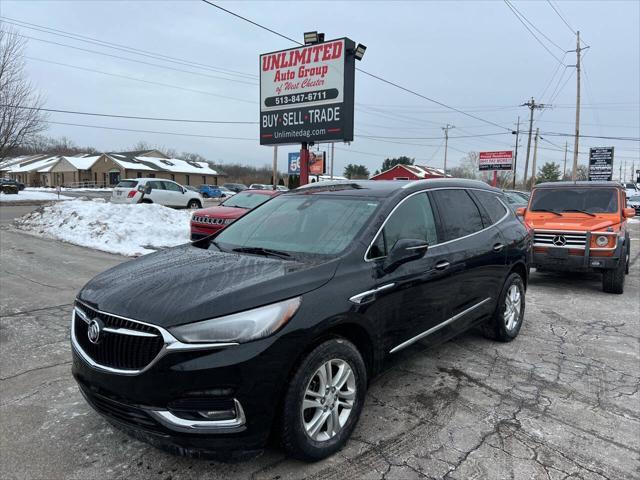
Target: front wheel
[
  {"x": 324, "y": 400},
  {"x": 505, "y": 324},
  {"x": 613, "y": 279},
  {"x": 194, "y": 204}
]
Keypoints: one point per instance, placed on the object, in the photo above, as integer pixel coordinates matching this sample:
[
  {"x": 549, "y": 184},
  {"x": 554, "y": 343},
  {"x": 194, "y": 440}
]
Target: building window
[
  {"x": 104, "y": 179},
  {"x": 95, "y": 178},
  {"x": 173, "y": 177},
  {"x": 62, "y": 178},
  {"x": 139, "y": 174},
  {"x": 152, "y": 175},
  {"x": 186, "y": 180},
  {"x": 204, "y": 180}
]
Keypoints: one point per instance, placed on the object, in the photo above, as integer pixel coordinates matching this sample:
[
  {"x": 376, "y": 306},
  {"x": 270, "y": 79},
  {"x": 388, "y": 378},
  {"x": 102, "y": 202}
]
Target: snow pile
[
  {"x": 129, "y": 229},
  {"x": 69, "y": 189},
  {"x": 25, "y": 195}
]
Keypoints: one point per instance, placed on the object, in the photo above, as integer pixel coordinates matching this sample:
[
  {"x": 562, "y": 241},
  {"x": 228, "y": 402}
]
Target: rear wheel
[
  {"x": 505, "y": 324},
  {"x": 194, "y": 204},
  {"x": 613, "y": 279},
  {"x": 324, "y": 400}
]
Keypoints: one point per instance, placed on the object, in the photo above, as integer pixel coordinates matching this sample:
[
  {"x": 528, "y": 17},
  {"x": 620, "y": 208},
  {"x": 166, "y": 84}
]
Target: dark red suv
[{"x": 208, "y": 221}]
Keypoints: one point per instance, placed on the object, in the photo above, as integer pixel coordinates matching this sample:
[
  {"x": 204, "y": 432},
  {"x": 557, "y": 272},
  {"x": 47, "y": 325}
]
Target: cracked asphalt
[{"x": 561, "y": 401}]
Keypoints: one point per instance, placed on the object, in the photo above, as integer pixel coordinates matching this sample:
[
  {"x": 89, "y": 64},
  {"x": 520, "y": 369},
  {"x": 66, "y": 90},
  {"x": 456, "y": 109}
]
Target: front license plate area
[{"x": 558, "y": 253}]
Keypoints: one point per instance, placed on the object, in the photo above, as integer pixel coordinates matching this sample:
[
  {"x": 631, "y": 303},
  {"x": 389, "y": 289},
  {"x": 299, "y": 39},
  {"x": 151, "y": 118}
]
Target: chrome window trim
[
  {"x": 171, "y": 343},
  {"x": 506, "y": 214},
  {"x": 175, "y": 423},
  {"x": 420, "y": 336}
]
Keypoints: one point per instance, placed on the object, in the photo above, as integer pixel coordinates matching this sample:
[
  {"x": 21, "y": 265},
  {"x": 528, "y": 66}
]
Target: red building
[{"x": 410, "y": 172}]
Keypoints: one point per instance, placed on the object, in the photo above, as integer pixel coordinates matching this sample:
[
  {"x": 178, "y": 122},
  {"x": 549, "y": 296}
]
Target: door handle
[
  {"x": 498, "y": 247},
  {"x": 442, "y": 264}
]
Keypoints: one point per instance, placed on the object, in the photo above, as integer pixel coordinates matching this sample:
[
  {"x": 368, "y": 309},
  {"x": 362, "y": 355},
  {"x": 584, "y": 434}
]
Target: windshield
[
  {"x": 515, "y": 198},
  {"x": 246, "y": 200},
  {"x": 318, "y": 224},
  {"x": 127, "y": 184},
  {"x": 592, "y": 200}
]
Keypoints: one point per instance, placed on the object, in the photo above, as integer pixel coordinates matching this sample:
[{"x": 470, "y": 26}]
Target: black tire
[
  {"x": 194, "y": 204},
  {"x": 628, "y": 259},
  {"x": 295, "y": 440},
  {"x": 613, "y": 279},
  {"x": 146, "y": 200},
  {"x": 496, "y": 328}
]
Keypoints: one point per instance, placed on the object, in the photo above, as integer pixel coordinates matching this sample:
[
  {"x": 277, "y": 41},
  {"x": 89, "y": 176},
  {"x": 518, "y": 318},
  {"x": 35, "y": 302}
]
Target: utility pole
[
  {"x": 576, "y": 142},
  {"x": 446, "y": 144},
  {"x": 275, "y": 166},
  {"x": 532, "y": 106},
  {"x": 564, "y": 171},
  {"x": 332, "y": 154},
  {"x": 515, "y": 159},
  {"x": 535, "y": 157}
]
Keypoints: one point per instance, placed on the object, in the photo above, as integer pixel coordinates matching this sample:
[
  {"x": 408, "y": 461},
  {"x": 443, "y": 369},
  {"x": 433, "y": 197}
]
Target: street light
[
  {"x": 359, "y": 53},
  {"x": 311, "y": 37}
]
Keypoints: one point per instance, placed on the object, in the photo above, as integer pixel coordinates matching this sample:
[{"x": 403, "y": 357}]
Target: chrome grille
[
  {"x": 123, "y": 344},
  {"x": 560, "y": 239},
  {"x": 211, "y": 220}
]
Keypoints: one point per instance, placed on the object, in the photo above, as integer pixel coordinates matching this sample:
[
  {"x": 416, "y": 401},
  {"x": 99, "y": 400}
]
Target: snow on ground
[
  {"x": 126, "y": 229},
  {"x": 31, "y": 195},
  {"x": 69, "y": 189}
]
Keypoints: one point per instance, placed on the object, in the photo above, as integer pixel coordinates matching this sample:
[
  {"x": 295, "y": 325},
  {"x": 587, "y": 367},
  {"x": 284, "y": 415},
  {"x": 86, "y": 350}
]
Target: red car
[{"x": 208, "y": 221}]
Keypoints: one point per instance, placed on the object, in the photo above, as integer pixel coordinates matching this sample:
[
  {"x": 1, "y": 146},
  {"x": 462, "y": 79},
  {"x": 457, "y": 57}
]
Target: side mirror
[
  {"x": 404, "y": 250},
  {"x": 629, "y": 212},
  {"x": 520, "y": 211}
]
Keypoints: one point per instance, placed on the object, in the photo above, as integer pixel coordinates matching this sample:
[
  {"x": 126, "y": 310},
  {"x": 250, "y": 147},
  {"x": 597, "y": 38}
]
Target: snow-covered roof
[
  {"x": 178, "y": 166},
  {"x": 8, "y": 162},
  {"x": 424, "y": 171},
  {"x": 120, "y": 160},
  {"x": 82, "y": 163},
  {"x": 33, "y": 166}
]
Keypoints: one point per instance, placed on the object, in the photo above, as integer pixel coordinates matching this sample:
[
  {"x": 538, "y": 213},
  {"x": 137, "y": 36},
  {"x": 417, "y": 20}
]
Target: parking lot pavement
[{"x": 562, "y": 400}]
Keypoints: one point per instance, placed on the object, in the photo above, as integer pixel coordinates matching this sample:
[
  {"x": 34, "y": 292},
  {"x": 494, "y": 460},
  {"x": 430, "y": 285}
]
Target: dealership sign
[
  {"x": 600, "y": 163},
  {"x": 502, "y": 160},
  {"x": 317, "y": 163},
  {"x": 306, "y": 94}
]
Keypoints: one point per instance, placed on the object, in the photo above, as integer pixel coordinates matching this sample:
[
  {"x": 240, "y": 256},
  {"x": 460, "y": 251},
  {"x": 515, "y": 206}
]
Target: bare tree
[{"x": 20, "y": 116}]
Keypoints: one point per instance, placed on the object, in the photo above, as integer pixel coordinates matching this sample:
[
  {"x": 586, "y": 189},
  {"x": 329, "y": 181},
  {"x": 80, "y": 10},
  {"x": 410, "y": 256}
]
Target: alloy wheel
[
  {"x": 328, "y": 400},
  {"x": 512, "y": 307}
]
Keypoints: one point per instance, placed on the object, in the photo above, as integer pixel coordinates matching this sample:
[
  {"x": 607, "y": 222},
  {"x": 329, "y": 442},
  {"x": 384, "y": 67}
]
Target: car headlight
[
  {"x": 240, "y": 327},
  {"x": 602, "y": 240}
]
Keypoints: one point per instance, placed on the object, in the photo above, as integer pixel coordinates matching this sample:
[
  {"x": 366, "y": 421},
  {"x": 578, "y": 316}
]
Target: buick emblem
[
  {"x": 93, "y": 332},
  {"x": 559, "y": 241}
]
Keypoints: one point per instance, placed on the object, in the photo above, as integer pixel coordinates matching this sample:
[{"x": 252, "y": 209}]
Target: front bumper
[
  {"x": 249, "y": 377},
  {"x": 573, "y": 263},
  {"x": 199, "y": 231}
]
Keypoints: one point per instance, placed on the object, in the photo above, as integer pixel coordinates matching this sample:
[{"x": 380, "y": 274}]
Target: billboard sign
[
  {"x": 306, "y": 93},
  {"x": 317, "y": 163},
  {"x": 600, "y": 163},
  {"x": 502, "y": 160}
]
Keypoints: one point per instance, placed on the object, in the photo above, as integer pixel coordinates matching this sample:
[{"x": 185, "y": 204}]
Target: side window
[
  {"x": 491, "y": 204},
  {"x": 174, "y": 187},
  {"x": 459, "y": 214},
  {"x": 413, "y": 219},
  {"x": 156, "y": 185}
]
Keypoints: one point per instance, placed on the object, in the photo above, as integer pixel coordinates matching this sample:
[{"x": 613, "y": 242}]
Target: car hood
[
  {"x": 570, "y": 222},
  {"x": 221, "y": 212},
  {"x": 185, "y": 284}
]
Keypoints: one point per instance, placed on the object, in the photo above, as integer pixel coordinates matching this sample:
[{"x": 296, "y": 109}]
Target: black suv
[{"x": 279, "y": 321}]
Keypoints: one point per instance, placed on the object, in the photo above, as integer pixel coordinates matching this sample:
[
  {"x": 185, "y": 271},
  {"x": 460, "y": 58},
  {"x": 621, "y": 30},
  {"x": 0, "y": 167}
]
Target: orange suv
[{"x": 581, "y": 227}]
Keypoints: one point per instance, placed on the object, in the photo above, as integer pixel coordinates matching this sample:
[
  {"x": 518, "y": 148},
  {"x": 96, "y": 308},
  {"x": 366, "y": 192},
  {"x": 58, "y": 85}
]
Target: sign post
[
  {"x": 600, "y": 164},
  {"x": 307, "y": 96},
  {"x": 495, "y": 161}
]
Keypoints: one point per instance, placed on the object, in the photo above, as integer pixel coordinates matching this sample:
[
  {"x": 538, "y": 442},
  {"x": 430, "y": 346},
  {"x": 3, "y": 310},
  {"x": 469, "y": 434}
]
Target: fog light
[
  {"x": 602, "y": 241},
  {"x": 219, "y": 414}
]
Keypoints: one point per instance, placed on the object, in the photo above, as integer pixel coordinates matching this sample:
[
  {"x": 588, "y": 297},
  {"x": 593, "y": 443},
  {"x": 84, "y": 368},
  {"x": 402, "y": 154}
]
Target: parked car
[
  {"x": 211, "y": 220},
  {"x": 226, "y": 192},
  {"x": 631, "y": 189},
  {"x": 153, "y": 190},
  {"x": 516, "y": 198},
  {"x": 210, "y": 191},
  {"x": 260, "y": 186},
  {"x": 634, "y": 202},
  {"x": 282, "y": 188},
  {"x": 280, "y": 320},
  {"x": 581, "y": 227},
  {"x": 235, "y": 187},
  {"x": 10, "y": 181}
]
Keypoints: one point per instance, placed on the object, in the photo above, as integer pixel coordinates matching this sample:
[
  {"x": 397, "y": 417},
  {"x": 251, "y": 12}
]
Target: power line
[
  {"x": 561, "y": 17},
  {"x": 536, "y": 28},
  {"x": 186, "y": 89},
  {"x": 531, "y": 31},
  {"x": 102, "y": 127},
  {"x": 377, "y": 77},
  {"x": 124, "y": 48},
  {"x": 436, "y": 138},
  {"x": 142, "y": 62},
  {"x": 160, "y": 119}
]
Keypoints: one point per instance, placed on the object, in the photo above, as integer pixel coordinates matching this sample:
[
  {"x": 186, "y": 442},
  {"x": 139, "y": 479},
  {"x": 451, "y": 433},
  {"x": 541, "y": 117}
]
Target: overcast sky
[{"x": 475, "y": 56}]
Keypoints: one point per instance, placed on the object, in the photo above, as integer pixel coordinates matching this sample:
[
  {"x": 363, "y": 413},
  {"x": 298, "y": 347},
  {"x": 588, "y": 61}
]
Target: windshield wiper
[
  {"x": 262, "y": 251},
  {"x": 546, "y": 210},
  {"x": 580, "y": 211}
]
